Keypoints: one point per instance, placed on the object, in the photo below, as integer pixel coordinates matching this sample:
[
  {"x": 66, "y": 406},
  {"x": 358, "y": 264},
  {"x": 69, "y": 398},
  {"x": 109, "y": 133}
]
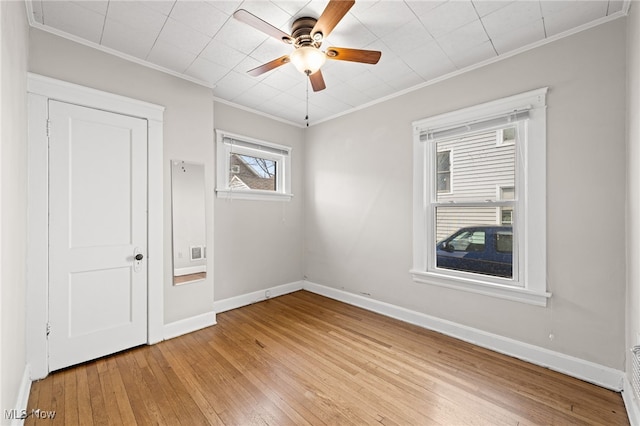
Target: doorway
[{"x": 142, "y": 279}]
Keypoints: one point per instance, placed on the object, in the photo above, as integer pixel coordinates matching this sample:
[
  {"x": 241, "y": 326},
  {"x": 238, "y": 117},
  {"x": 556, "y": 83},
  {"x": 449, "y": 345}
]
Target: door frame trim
[{"x": 40, "y": 90}]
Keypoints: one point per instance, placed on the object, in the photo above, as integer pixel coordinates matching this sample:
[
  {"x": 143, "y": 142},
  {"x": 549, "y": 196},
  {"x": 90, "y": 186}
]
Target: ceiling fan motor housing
[{"x": 301, "y": 32}]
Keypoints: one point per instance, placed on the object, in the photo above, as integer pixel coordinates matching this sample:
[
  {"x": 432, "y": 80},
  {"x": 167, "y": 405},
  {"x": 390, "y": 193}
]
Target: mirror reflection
[{"x": 188, "y": 222}]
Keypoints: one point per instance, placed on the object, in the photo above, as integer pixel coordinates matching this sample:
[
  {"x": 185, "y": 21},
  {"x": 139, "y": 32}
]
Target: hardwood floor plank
[
  {"x": 85, "y": 409},
  {"x": 302, "y": 359},
  {"x": 70, "y": 391},
  {"x": 121, "y": 395}
]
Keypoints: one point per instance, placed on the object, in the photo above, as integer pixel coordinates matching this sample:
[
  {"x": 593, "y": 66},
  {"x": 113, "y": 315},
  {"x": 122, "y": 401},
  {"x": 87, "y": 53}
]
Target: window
[
  {"x": 487, "y": 236},
  {"x": 506, "y": 136},
  {"x": 251, "y": 169},
  {"x": 506, "y": 213},
  {"x": 444, "y": 171}
]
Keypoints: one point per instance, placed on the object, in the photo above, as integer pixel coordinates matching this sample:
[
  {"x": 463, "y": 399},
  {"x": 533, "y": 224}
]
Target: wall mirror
[{"x": 188, "y": 222}]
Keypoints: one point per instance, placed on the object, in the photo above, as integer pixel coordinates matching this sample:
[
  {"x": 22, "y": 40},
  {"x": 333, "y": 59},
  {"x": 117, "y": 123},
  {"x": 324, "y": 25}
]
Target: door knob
[{"x": 139, "y": 257}]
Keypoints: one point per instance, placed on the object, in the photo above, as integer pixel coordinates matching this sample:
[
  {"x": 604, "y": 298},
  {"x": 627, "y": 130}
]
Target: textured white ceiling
[{"x": 420, "y": 41}]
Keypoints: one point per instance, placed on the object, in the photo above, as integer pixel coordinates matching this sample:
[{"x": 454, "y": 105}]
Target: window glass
[
  {"x": 479, "y": 166},
  {"x": 506, "y": 216},
  {"x": 504, "y": 242},
  {"x": 468, "y": 241},
  {"x": 508, "y": 135},
  {"x": 247, "y": 172},
  {"x": 443, "y": 170}
]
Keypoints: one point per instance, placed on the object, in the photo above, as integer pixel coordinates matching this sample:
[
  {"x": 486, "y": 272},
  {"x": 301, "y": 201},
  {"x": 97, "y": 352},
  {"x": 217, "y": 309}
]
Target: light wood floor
[{"x": 304, "y": 359}]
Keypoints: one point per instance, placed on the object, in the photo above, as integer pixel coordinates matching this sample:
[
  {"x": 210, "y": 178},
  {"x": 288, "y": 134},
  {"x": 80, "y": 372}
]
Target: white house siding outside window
[{"x": 479, "y": 199}]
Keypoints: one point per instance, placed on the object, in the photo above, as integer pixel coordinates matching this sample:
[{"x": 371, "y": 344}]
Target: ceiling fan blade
[
  {"x": 257, "y": 23},
  {"x": 317, "y": 82},
  {"x": 333, "y": 13},
  {"x": 354, "y": 55},
  {"x": 269, "y": 66}
]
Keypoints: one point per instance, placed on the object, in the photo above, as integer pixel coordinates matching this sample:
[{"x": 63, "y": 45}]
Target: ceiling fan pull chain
[{"x": 307, "y": 116}]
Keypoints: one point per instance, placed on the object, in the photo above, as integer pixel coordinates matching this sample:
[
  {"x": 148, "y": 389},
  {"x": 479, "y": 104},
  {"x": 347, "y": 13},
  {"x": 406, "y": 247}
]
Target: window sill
[
  {"x": 253, "y": 195},
  {"x": 517, "y": 294}
]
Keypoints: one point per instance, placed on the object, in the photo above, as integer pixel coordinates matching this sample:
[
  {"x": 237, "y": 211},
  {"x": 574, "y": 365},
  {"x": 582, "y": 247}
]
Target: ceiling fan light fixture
[{"x": 307, "y": 59}]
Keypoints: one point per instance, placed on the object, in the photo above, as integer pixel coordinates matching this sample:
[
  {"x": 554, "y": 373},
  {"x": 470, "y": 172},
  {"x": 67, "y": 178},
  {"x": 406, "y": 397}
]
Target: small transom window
[{"x": 251, "y": 169}]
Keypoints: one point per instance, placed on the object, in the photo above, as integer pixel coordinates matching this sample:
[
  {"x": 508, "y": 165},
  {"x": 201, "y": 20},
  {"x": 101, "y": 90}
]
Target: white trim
[
  {"x": 22, "y": 401},
  {"x": 256, "y": 296},
  {"x": 188, "y": 325},
  {"x": 630, "y": 402},
  {"x": 37, "y": 237},
  {"x": 600, "y": 375},
  {"x": 155, "y": 234},
  {"x": 499, "y": 107},
  {"x": 86, "y": 96},
  {"x": 239, "y": 194},
  {"x": 508, "y": 292},
  {"x": 40, "y": 90}
]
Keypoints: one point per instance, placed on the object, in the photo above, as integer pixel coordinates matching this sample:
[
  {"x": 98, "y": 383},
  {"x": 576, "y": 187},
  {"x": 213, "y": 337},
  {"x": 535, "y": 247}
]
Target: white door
[{"x": 97, "y": 227}]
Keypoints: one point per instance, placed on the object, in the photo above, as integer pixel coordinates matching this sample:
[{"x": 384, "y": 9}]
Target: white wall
[
  {"x": 258, "y": 244},
  {"x": 14, "y": 39},
  {"x": 188, "y": 136},
  {"x": 358, "y": 194},
  {"x": 633, "y": 181}
]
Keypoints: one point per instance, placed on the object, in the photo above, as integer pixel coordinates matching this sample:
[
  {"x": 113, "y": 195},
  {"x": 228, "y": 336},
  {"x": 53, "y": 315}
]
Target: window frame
[
  {"x": 529, "y": 214},
  {"x": 228, "y": 143}
]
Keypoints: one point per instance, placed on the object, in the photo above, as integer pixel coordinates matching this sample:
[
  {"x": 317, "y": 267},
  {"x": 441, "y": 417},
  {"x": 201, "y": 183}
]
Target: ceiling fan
[{"x": 306, "y": 37}]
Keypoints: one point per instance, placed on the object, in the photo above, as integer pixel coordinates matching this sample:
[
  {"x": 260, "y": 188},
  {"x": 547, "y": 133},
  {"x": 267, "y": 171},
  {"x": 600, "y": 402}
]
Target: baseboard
[
  {"x": 178, "y": 328},
  {"x": 23, "y": 397},
  {"x": 584, "y": 370},
  {"x": 256, "y": 296},
  {"x": 630, "y": 403}
]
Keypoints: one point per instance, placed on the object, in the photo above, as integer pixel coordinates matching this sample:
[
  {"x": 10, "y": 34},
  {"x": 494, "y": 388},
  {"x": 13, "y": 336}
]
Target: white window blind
[
  {"x": 258, "y": 147},
  {"x": 473, "y": 126}
]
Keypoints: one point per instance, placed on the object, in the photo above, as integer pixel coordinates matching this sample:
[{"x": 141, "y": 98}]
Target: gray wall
[
  {"x": 633, "y": 181},
  {"x": 188, "y": 135},
  {"x": 14, "y": 39},
  {"x": 358, "y": 197},
  {"x": 258, "y": 244}
]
